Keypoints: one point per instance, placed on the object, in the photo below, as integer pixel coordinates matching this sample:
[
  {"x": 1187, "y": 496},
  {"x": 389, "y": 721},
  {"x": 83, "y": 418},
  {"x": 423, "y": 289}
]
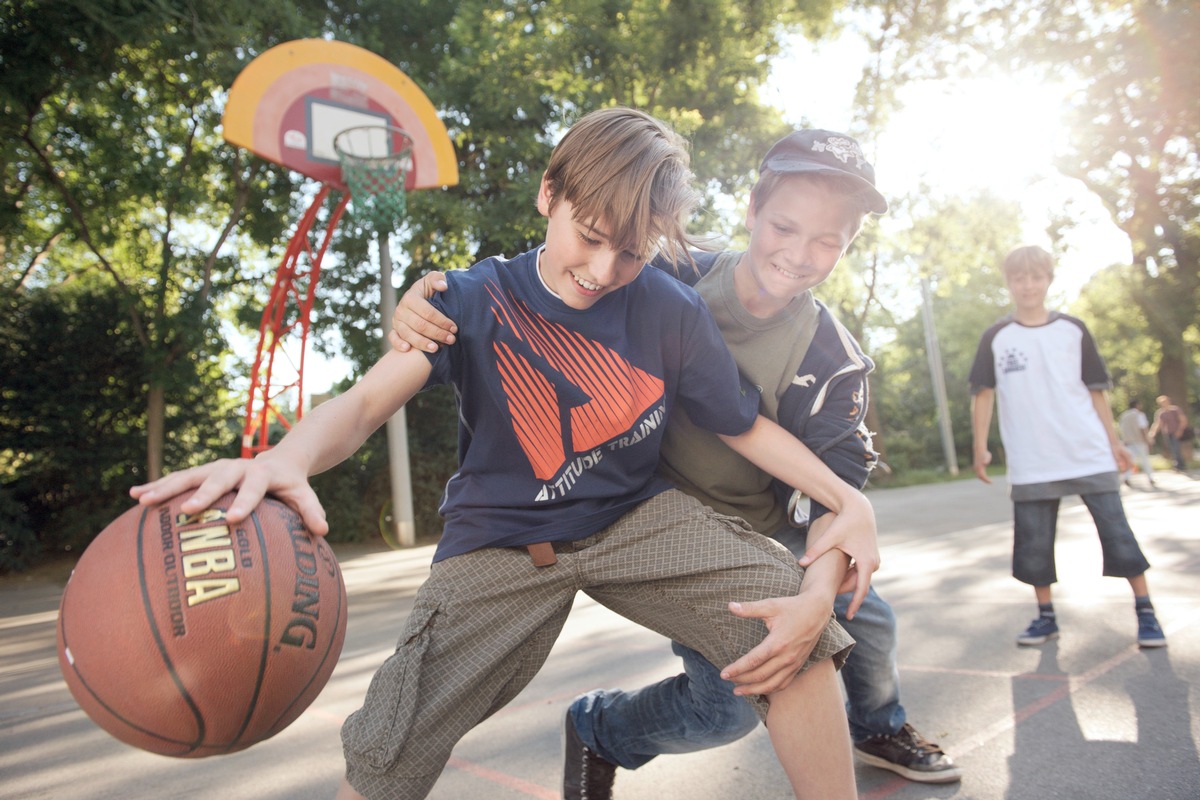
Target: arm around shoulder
[{"x": 415, "y": 321}]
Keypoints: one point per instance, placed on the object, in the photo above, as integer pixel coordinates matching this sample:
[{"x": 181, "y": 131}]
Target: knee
[
  {"x": 722, "y": 720},
  {"x": 713, "y": 713},
  {"x": 874, "y": 622}
]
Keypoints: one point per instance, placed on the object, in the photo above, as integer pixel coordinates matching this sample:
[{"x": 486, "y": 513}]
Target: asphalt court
[{"x": 1089, "y": 716}]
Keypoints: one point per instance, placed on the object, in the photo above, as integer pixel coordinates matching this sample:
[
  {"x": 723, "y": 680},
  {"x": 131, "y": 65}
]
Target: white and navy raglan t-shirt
[{"x": 1054, "y": 440}]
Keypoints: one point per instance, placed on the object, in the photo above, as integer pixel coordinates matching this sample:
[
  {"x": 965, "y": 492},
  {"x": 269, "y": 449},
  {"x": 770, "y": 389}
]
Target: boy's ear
[
  {"x": 749, "y": 223},
  {"x": 543, "y": 197}
]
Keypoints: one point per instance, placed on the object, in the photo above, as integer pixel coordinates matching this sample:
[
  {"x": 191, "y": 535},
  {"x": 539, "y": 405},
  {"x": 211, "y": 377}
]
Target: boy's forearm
[
  {"x": 848, "y": 453},
  {"x": 981, "y": 418},
  {"x": 335, "y": 430},
  {"x": 1104, "y": 411},
  {"x": 777, "y": 452},
  {"x": 328, "y": 435},
  {"x": 824, "y": 576}
]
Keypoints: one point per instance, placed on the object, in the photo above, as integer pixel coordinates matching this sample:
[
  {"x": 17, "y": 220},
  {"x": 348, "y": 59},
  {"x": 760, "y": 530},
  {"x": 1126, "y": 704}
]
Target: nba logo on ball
[{"x": 188, "y": 636}]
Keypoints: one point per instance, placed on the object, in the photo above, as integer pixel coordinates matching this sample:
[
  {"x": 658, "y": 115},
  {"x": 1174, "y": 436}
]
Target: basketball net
[{"x": 375, "y": 161}]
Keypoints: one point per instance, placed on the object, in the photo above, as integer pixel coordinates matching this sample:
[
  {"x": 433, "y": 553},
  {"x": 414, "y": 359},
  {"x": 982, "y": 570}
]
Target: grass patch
[{"x": 894, "y": 479}]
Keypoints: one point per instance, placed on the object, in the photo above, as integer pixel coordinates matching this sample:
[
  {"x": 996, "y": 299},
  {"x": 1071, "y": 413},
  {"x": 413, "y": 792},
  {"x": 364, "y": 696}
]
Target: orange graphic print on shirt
[{"x": 605, "y": 397}]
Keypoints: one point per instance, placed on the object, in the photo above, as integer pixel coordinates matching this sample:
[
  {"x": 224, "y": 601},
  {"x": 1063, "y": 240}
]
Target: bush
[{"x": 18, "y": 544}]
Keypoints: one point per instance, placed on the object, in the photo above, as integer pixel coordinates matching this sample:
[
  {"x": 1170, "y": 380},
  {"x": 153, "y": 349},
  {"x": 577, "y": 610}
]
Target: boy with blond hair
[
  {"x": 574, "y": 358},
  {"x": 1059, "y": 438}
]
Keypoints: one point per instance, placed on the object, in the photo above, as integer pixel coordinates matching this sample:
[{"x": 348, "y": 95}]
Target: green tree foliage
[
  {"x": 509, "y": 78},
  {"x": 1133, "y": 134},
  {"x": 116, "y": 168},
  {"x": 116, "y": 177},
  {"x": 1116, "y": 322},
  {"x": 1135, "y": 142},
  {"x": 957, "y": 244},
  {"x": 121, "y": 201},
  {"x": 72, "y": 416}
]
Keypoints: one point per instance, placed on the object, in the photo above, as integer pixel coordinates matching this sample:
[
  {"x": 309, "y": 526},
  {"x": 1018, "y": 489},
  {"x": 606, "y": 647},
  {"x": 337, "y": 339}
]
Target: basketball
[{"x": 186, "y": 636}]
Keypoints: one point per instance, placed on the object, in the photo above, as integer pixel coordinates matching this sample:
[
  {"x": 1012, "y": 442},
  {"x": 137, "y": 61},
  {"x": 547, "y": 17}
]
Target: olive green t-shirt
[{"x": 768, "y": 352}]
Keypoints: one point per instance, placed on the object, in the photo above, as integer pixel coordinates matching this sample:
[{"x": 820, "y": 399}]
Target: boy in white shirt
[{"x": 1059, "y": 438}]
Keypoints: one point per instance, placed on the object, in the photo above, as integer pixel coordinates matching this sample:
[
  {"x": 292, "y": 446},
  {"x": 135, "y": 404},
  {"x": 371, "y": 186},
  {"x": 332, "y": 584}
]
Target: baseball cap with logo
[{"x": 813, "y": 150}]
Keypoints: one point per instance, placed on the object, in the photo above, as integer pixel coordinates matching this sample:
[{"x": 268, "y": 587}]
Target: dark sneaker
[
  {"x": 586, "y": 776},
  {"x": 1150, "y": 633},
  {"x": 908, "y": 754},
  {"x": 1040, "y": 631}
]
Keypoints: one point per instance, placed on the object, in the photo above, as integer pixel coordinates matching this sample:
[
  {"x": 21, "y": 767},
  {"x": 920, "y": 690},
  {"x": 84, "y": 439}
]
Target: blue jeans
[
  {"x": 1176, "y": 449},
  {"x": 698, "y": 710}
]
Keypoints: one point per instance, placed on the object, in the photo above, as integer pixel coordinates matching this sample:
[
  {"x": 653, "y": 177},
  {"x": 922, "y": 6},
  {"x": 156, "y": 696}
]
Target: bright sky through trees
[{"x": 959, "y": 136}]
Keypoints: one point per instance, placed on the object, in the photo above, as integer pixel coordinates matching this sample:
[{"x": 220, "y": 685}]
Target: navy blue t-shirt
[{"x": 561, "y": 411}]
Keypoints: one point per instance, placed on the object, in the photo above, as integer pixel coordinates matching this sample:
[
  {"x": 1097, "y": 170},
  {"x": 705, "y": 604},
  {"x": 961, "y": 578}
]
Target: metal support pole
[
  {"x": 934, "y": 352},
  {"x": 397, "y": 426}
]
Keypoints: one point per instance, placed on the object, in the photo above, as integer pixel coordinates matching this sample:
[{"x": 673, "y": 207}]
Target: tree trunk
[
  {"x": 1172, "y": 374},
  {"x": 155, "y": 425}
]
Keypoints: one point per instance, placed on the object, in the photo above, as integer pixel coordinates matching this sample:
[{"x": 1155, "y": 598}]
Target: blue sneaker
[
  {"x": 1150, "y": 633},
  {"x": 1040, "y": 631}
]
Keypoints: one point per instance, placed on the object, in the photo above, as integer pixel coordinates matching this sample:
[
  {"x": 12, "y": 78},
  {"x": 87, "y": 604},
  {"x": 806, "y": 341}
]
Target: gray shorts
[{"x": 484, "y": 622}]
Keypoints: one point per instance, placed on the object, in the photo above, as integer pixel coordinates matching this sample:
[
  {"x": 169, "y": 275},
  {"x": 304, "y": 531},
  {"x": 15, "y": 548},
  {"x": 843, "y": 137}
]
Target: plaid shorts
[{"x": 483, "y": 624}]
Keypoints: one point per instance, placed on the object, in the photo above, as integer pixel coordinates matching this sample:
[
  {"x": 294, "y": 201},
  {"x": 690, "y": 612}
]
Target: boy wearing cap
[{"x": 814, "y": 191}]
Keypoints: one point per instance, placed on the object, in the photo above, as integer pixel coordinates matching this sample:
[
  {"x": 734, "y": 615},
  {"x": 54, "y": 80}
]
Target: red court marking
[
  {"x": 983, "y": 673},
  {"x": 508, "y": 781},
  {"x": 970, "y": 673},
  {"x": 886, "y": 790}
]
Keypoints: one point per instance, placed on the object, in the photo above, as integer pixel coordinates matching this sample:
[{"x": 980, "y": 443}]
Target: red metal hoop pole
[{"x": 285, "y": 319}]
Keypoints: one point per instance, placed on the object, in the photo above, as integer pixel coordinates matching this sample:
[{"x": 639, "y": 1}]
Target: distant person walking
[
  {"x": 1060, "y": 439},
  {"x": 1134, "y": 428},
  {"x": 1170, "y": 421}
]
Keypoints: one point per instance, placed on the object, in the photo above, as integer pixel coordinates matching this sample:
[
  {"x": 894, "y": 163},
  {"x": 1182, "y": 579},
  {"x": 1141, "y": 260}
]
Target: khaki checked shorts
[{"x": 484, "y": 622}]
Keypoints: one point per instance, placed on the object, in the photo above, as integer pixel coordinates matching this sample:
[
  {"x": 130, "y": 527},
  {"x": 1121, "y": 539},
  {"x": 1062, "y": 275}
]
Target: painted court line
[
  {"x": 1069, "y": 685},
  {"x": 501, "y": 779}
]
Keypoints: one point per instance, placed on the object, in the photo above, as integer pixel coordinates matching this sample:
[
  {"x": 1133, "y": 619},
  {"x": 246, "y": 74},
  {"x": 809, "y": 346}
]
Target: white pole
[
  {"x": 397, "y": 426},
  {"x": 934, "y": 352}
]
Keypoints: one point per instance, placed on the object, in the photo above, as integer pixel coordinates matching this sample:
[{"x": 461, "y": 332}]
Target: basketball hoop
[{"x": 375, "y": 161}]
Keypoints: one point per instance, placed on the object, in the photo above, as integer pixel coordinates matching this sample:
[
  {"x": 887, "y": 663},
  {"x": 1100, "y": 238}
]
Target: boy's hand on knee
[{"x": 795, "y": 625}]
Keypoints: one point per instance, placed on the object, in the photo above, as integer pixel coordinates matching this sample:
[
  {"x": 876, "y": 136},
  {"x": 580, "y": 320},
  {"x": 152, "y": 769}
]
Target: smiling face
[
  {"x": 1028, "y": 272},
  {"x": 1028, "y": 289},
  {"x": 797, "y": 237},
  {"x": 579, "y": 263}
]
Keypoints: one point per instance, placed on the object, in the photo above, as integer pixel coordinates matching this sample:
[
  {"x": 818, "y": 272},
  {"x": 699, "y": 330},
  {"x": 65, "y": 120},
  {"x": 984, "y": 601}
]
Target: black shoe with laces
[
  {"x": 908, "y": 754},
  {"x": 586, "y": 776}
]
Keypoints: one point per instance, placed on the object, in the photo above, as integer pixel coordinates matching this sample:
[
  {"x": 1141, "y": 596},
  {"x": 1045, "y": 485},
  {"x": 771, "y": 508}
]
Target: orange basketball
[{"x": 190, "y": 637}]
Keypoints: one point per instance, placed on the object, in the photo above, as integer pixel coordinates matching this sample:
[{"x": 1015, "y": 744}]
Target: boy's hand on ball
[{"x": 251, "y": 479}]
